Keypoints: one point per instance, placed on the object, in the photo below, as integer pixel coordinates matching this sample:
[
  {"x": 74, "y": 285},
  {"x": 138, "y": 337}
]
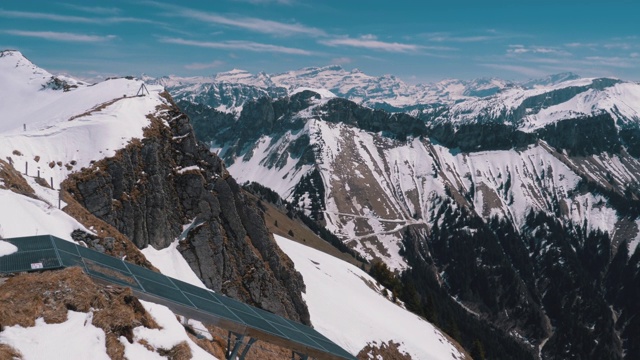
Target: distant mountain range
[{"x": 228, "y": 91}]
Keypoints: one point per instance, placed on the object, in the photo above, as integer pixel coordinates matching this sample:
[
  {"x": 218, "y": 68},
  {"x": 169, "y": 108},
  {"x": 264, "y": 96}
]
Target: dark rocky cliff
[{"x": 155, "y": 186}]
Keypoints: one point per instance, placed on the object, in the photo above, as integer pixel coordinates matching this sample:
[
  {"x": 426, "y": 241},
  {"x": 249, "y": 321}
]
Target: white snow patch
[
  {"x": 171, "y": 263},
  {"x": 170, "y": 334},
  {"x": 24, "y": 216},
  {"x": 347, "y": 311},
  {"x": 189, "y": 168},
  {"x": 75, "y": 338},
  {"x": 7, "y": 248}
]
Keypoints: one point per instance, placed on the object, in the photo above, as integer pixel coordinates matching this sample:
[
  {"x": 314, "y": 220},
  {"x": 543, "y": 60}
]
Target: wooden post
[
  {"x": 26, "y": 168},
  {"x": 59, "y": 196},
  {"x": 38, "y": 173},
  {"x": 24, "y": 127},
  {"x": 52, "y": 182}
]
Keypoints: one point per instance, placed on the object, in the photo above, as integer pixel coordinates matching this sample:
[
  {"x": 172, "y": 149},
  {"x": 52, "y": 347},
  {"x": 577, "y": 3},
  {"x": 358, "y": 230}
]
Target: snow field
[
  {"x": 24, "y": 216},
  {"x": 170, "y": 334},
  {"x": 74, "y": 339},
  {"x": 346, "y": 306},
  {"x": 7, "y": 248},
  {"x": 171, "y": 263}
]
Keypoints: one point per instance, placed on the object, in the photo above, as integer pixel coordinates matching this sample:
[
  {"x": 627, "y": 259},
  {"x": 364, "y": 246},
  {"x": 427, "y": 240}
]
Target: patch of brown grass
[
  {"x": 260, "y": 350},
  {"x": 42, "y": 182},
  {"x": 28, "y": 296},
  {"x": 215, "y": 347},
  {"x": 302, "y": 233},
  {"x": 25, "y": 297},
  {"x": 9, "y": 353},
  {"x": 13, "y": 180},
  {"x": 168, "y": 97},
  {"x": 385, "y": 351},
  {"x": 181, "y": 351}
]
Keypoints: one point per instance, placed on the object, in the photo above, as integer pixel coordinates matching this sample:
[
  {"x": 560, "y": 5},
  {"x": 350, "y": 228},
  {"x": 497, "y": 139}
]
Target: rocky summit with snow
[
  {"x": 115, "y": 166},
  {"x": 508, "y": 212}
]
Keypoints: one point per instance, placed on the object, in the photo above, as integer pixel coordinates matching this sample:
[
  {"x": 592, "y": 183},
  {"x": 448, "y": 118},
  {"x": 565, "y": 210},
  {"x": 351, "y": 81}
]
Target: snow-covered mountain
[
  {"x": 533, "y": 109},
  {"x": 228, "y": 91},
  {"x": 503, "y": 202},
  {"x": 95, "y": 161}
]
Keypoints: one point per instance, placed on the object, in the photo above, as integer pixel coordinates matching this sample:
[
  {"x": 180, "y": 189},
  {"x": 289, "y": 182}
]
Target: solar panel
[
  {"x": 27, "y": 261},
  {"x": 69, "y": 259},
  {"x": 34, "y": 253},
  {"x": 29, "y": 243},
  {"x": 213, "y": 307},
  {"x": 103, "y": 259},
  {"x": 194, "y": 290},
  {"x": 64, "y": 245},
  {"x": 51, "y": 252},
  {"x": 140, "y": 272}
]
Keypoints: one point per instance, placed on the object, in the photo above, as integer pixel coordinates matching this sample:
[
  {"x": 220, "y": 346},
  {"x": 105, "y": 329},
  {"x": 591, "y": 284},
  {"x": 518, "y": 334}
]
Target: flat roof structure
[{"x": 46, "y": 252}]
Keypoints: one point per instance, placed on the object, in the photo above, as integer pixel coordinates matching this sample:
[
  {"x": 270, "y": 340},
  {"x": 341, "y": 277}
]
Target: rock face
[{"x": 158, "y": 186}]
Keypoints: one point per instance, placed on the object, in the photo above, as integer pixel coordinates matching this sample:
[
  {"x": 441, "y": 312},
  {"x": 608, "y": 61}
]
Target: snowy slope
[
  {"x": 171, "y": 263},
  {"x": 375, "y": 187},
  {"x": 65, "y": 131},
  {"x": 346, "y": 306},
  {"x": 532, "y": 109},
  {"x": 78, "y": 338}
]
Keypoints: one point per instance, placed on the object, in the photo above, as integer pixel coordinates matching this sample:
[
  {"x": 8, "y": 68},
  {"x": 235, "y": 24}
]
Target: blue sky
[{"x": 418, "y": 41}]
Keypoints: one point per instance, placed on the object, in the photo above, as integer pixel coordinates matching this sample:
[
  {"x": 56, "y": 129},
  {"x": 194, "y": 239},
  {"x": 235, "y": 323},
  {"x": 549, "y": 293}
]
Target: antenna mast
[{"x": 142, "y": 90}]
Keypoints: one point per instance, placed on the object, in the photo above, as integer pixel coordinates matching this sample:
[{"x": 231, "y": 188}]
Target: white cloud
[
  {"x": 71, "y": 19},
  {"x": 532, "y": 72},
  {"x": 43, "y": 16},
  {"x": 370, "y": 42},
  {"x": 521, "y": 49},
  {"x": 622, "y": 46},
  {"x": 61, "y": 36},
  {"x": 94, "y": 9},
  {"x": 635, "y": 55},
  {"x": 238, "y": 45},
  {"x": 204, "y": 66},
  {"x": 342, "y": 60},
  {"x": 579, "y": 44},
  {"x": 448, "y": 37},
  {"x": 264, "y": 2},
  {"x": 240, "y": 22},
  {"x": 612, "y": 61}
]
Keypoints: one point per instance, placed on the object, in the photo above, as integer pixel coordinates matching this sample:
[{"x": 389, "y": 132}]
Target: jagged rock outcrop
[{"x": 168, "y": 180}]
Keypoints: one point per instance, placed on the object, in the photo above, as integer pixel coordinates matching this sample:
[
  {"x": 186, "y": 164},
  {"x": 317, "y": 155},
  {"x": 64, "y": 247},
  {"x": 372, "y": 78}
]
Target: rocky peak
[{"x": 155, "y": 186}]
